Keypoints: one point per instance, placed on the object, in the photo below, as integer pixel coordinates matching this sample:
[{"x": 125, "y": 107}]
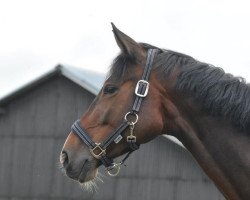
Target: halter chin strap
[{"x": 98, "y": 150}]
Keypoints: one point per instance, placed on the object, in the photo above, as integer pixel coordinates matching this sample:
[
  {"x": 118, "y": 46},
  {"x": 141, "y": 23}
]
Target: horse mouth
[
  {"x": 87, "y": 175},
  {"x": 88, "y": 180}
]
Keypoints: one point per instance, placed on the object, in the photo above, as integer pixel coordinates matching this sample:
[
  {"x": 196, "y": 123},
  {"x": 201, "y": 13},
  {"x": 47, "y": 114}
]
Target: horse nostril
[
  {"x": 74, "y": 164},
  {"x": 64, "y": 159}
]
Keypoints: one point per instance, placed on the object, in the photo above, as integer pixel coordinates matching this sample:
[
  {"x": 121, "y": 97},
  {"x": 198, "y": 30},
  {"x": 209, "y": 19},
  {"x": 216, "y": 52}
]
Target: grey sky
[{"x": 37, "y": 35}]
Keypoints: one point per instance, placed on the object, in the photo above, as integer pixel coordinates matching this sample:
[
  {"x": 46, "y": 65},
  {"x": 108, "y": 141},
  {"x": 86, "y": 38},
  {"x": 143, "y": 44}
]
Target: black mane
[{"x": 218, "y": 93}]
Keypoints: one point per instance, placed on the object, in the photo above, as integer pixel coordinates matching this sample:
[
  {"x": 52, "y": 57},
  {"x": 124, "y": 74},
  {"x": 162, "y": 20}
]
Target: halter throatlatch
[{"x": 98, "y": 150}]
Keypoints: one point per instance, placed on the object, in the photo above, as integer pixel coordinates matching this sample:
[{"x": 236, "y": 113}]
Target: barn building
[{"x": 34, "y": 123}]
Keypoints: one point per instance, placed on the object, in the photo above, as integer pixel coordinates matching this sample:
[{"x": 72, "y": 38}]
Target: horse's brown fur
[{"x": 219, "y": 144}]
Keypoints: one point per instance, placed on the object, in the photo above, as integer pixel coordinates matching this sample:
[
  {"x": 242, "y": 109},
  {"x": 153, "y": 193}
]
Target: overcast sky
[{"x": 37, "y": 35}]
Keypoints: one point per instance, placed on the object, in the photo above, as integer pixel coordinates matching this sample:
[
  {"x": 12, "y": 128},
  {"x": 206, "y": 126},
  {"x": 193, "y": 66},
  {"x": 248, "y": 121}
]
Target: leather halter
[{"x": 98, "y": 150}]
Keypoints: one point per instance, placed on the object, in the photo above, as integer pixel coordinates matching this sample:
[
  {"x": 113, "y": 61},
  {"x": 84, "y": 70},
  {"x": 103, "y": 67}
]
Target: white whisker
[
  {"x": 91, "y": 186},
  {"x": 99, "y": 177},
  {"x": 60, "y": 166}
]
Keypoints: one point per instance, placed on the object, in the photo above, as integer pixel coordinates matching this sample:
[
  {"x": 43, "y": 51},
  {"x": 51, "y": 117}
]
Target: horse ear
[{"x": 128, "y": 45}]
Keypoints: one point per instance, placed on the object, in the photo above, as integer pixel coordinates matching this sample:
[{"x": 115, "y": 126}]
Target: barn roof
[{"x": 89, "y": 80}]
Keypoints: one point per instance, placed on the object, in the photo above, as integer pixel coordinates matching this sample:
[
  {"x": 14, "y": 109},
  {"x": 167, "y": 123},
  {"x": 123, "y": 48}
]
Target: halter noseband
[{"x": 98, "y": 150}]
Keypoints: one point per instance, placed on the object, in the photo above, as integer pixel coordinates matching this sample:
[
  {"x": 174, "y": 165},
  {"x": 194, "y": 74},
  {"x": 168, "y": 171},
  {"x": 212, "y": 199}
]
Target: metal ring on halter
[
  {"x": 132, "y": 114},
  {"x": 114, "y": 169}
]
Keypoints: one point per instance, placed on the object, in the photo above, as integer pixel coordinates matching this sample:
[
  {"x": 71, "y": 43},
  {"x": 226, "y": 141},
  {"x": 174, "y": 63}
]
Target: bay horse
[{"x": 151, "y": 91}]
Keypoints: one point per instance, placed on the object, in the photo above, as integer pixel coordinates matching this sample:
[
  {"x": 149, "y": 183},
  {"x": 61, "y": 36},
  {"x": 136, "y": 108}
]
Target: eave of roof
[
  {"x": 26, "y": 87},
  {"x": 87, "y": 79},
  {"x": 91, "y": 81},
  {"x": 174, "y": 139}
]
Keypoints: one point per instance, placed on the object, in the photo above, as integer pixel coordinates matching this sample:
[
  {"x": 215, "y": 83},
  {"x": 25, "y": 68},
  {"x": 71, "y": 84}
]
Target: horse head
[{"x": 127, "y": 112}]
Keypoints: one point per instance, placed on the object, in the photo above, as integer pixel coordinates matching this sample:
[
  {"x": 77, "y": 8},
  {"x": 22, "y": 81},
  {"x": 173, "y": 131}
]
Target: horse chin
[
  {"x": 89, "y": 182},
  {"x": 87, "y": 176}
]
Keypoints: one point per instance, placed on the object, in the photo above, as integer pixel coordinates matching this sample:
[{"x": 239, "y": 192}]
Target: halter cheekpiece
[{"x": 98, "y": 150}]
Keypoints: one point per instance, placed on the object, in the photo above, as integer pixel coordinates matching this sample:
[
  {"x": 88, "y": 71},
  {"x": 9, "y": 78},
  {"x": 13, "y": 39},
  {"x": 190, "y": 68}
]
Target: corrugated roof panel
[{"x": 88, "y": 79}]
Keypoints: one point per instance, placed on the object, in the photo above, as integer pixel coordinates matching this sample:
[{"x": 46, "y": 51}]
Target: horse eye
[{"x": 109, "y": 89}]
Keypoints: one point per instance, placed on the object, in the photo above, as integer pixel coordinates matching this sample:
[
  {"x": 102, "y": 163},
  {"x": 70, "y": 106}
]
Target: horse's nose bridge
[{"x": 72, "y": 142}]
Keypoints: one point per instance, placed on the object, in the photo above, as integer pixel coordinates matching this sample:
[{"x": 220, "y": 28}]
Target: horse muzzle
[{"x": 81, "y": 167}]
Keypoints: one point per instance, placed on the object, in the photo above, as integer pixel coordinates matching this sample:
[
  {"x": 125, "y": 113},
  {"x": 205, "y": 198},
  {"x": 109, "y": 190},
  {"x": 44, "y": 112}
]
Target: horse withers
[{"x": 151, "y": 91}]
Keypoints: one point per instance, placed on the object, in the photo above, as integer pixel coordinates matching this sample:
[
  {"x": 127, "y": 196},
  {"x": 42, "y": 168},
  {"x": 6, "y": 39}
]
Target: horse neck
[{"x": 220, "y": 149}]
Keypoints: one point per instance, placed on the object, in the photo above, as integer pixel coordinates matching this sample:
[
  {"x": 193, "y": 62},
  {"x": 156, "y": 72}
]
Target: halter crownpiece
[{"x": 98, "y": 150}]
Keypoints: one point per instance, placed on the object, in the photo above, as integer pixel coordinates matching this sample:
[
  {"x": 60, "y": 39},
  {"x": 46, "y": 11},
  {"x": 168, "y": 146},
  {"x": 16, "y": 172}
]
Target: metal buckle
[
  {"x": 131, "y": 138},
  {"x": 141, "y": 82},
  {"x": 97, "y": 147}
]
